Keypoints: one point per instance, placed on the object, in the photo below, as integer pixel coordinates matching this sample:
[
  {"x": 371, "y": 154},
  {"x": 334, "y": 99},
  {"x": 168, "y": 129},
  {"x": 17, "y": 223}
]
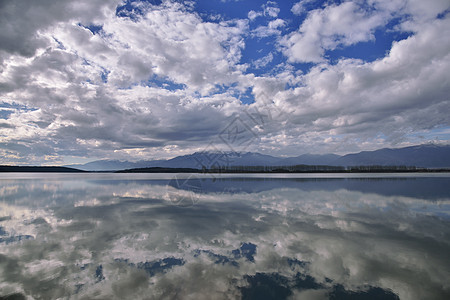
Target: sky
[{"x": 143, "y": 80}]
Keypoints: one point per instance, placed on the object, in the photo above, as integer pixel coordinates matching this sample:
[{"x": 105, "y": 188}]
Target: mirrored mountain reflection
[{"x": 125, "y": 237}]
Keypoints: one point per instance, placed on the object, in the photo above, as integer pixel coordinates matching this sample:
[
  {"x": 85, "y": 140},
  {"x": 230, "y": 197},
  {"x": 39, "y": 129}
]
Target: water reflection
[{"x": 251, "y": 238}]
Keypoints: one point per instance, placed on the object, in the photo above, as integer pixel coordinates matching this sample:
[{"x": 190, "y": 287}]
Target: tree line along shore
[{"x": 237, "y": 169}]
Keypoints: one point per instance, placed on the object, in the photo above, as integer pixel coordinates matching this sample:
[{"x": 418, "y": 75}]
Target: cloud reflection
[{"x": 310, "y": 239}]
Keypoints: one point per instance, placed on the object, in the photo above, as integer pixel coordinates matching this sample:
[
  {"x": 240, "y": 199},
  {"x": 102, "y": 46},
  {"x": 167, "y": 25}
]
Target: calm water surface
[{"x": 156, "y": 236}]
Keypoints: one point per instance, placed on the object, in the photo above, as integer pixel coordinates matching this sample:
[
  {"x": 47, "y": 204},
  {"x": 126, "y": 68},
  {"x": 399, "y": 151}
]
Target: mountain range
[{"x": 427, "y": 156}]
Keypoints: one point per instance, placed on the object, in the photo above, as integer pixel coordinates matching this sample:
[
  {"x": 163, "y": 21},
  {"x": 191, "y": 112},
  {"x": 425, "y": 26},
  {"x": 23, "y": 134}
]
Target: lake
[{"x": 256, "y": 236}]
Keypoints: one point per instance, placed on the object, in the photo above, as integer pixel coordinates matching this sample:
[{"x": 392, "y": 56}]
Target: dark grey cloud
[{"x": 21, "y": 21}]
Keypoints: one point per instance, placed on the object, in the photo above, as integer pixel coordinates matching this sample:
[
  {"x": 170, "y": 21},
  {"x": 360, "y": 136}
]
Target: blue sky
[{"x": 137, "y": 80}]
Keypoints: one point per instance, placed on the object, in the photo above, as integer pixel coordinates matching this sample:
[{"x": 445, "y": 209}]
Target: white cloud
[
  {"x": 351, "y": 22},
  {"x": 299, "y": 7},
  {"x": 253, "y": 15},
  {"x": 272, "y": 28},
  {"x": 278, "y": 23},
  {"x": 166, "y": 82},
  {"x": 82, "y": 111},
  {"x": 337, "y": 25},
  {"x": 269, "y": 9},
  {"x": 354, "y": 97},
  {"x": 263, "y": 61},
  {"x": 165, "y": 41}
]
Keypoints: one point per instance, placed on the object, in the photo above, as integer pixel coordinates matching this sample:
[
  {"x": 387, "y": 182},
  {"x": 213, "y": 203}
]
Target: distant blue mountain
[
  {"x": 195, "y": 160},
  {"x": 309, "y": 159},
  {"x": 429, "y": 156},
  {"x": 211, "y": 159},
  {"x": 106, "y": 165}
]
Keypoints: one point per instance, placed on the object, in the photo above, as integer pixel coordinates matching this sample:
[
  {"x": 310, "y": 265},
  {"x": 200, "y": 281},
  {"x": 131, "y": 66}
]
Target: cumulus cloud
[
  {"x": 299, "y": 7},
  {"x": 253, "y": 15},
  {"x": 273, "y": 28},
  {"x": 96, "y": 80},
  {"x": 350, "y": 23},
  {"x": 19, "y": 34},
  {"x": 336, "y": 25},
  {"x": 83, "y": 81},
  {"x": 402, "y": 85},
  {"x": 269, "y": 9}
]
